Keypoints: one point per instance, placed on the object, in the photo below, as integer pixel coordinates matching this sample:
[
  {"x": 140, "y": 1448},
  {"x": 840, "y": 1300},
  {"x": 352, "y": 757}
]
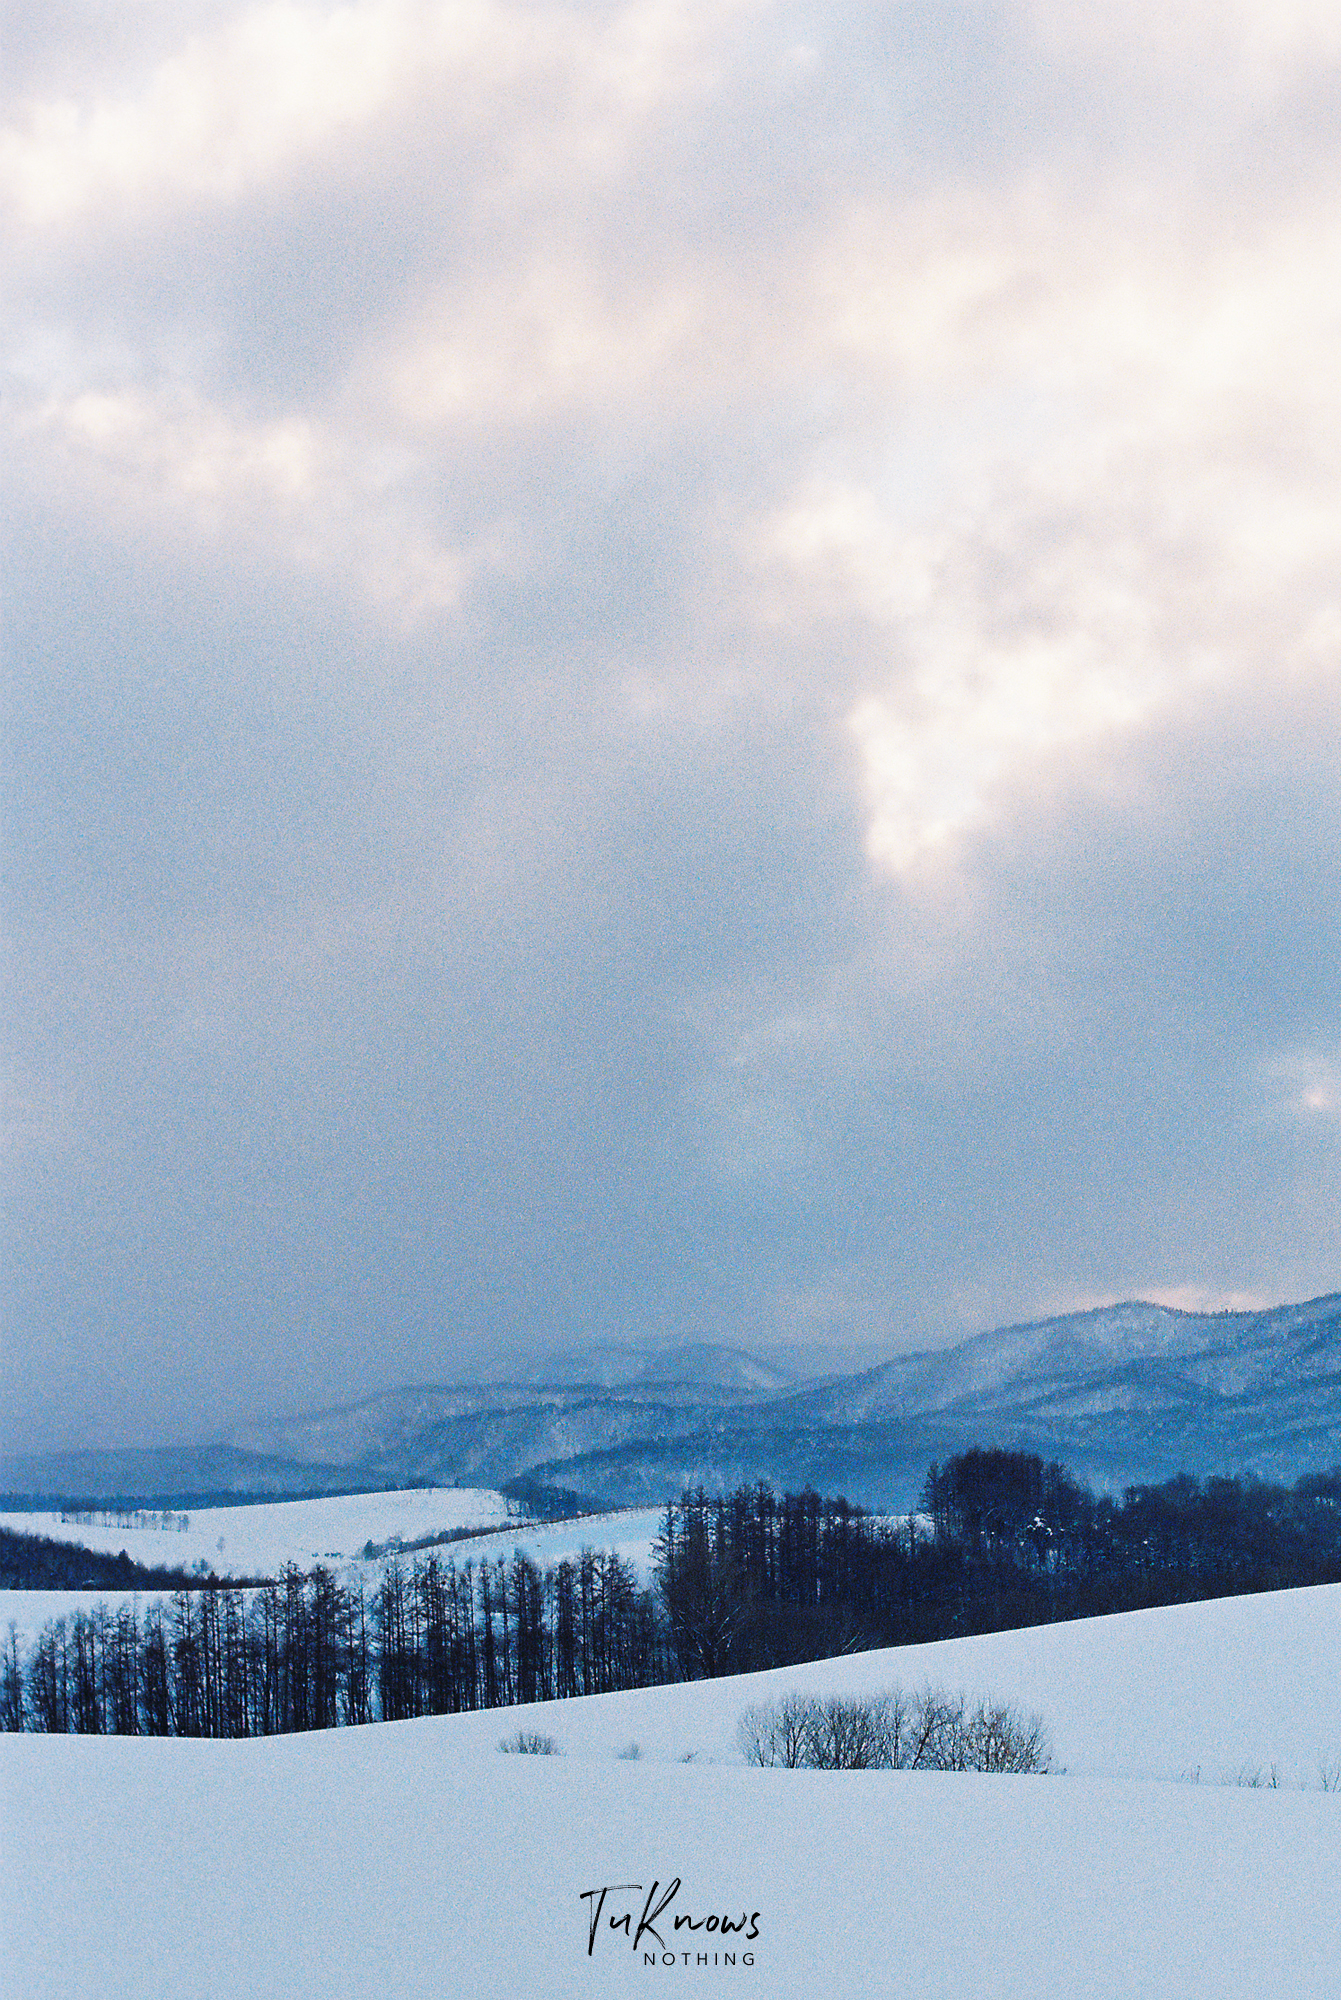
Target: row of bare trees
[
  {"x": 744, "y": 1580},
  {"x": 310, "y": 1652}
]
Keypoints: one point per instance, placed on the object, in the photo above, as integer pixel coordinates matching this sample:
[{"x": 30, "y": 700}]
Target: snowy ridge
[{"x": 1120, "y": 1393}]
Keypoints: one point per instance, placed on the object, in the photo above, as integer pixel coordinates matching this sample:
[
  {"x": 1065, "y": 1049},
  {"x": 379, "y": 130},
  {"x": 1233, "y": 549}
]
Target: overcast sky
[{"x": 674, "y": 671}]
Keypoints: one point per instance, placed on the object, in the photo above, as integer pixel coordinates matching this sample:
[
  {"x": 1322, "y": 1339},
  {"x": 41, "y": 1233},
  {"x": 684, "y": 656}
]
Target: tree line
[
  {"x": 37, "y": 1562},
  {"x": 743, "y": 1580},
  {"x": 308, "y": 1651},
  {"x": 752, "y": 1579}
]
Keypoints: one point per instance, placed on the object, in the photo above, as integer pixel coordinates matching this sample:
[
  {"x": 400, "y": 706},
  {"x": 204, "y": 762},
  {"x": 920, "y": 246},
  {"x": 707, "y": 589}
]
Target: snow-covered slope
[
  {"x": 1043, "y": 1364},
  {"x": 1208, "y": 1689},
  {"x": 412, "y": 1859},
  {"x": 259, "y": 1538},
  {"x": 1121, "y": 1393}
]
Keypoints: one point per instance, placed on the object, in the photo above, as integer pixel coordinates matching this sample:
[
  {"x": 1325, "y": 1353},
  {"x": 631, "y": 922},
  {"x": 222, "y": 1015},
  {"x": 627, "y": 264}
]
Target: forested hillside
[{"x": 744, "y": 1581}]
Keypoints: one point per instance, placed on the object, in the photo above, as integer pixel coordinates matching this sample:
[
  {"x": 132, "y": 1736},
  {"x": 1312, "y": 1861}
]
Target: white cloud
[
  {"x": 192, "y": 451},
  {"x": 232, "y": 109},
  {"x": 1141, "y": 513},
  {"x": 1306, "y": 1085},
  {"x": 218, "y": 116},
  {"x": 1256, "y": 43},
  {"x": 172, "y": 463},
  {"x": 542, "y": 337}
]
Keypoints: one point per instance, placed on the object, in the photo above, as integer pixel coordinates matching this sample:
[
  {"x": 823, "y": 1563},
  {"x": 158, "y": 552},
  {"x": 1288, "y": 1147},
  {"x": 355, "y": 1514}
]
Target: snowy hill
[
  {"x": 258, "y": 1540},
  {"x": 413, "y": 1859},
  {"x": 1132, "y": 1391},
  {"x": 1122, "y": 1393}
]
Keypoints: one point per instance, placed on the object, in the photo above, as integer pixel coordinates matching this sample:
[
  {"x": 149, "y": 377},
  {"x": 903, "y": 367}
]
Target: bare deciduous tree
[
  {"x": 775, "y": 1732},
  {"x": 930, "y": 1731}
]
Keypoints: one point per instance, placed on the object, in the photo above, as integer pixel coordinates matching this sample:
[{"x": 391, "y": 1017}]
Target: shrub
[
  {"x": 930, "y": 1731},
  {"x": 528, "y": 1743},
  {"x": 843, "y": 1735},
  {"x": 775, "y": 1733}
]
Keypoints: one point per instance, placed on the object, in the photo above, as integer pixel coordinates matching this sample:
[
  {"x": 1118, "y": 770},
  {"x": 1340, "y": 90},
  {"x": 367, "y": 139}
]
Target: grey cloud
[{"x": 449, "y": 564}]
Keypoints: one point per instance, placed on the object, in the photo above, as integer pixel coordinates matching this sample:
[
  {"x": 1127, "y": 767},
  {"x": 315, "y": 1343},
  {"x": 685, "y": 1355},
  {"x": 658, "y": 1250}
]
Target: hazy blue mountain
[
  {"x": 568, "y": 1404},
  {"x": 163, "y": 1471},
  {"x": 699, "y": 1370},
  {"x": 1122, "y": 1393}
]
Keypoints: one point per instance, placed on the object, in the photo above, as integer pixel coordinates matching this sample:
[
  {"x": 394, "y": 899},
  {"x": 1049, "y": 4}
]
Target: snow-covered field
[
  {"x": 1195, "y": 1690},
  {"x": 630, "y": 1533},
  {"x": 257, "y": 1539},
  {"x": 413, "y": 1859}
]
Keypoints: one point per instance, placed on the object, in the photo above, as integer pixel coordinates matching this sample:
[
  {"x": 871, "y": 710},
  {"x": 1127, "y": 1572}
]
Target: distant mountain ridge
[
  {"x": 155, "y": 1473},
  {"x": 1120, "y": 1393}
]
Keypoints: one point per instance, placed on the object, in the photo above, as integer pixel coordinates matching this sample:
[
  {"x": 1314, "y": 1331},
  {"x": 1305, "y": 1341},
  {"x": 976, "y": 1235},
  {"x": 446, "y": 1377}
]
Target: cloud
[
  {"x": 661, "y": 685},
  {"x": 176, "y": 463},
  {"x": 235, "y": 106},
  {"x": 1306, "y": 1086},
  {"x": 216, "y": 117},
  {"x": 1137, "y": 521},
  {"x": 1257, "y": 42}
]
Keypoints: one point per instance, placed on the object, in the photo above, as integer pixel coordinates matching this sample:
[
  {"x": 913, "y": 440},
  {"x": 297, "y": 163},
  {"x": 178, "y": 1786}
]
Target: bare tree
[
  {"x": 846, "y": 1735},
  {"x": 930, "y": 1731},
  {"x": 774, "y": 1733},
  {"x": 13, "y": 1698}
]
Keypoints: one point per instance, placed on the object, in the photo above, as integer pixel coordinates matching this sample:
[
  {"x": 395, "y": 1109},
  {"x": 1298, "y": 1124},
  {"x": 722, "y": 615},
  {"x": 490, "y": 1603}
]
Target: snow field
[
  {"x": 1190, "y": 1691},
  {"x": 258, "y": 1538},
  {"x": 405, "y": 1860},
  {"x": 413, "y": 1859}
]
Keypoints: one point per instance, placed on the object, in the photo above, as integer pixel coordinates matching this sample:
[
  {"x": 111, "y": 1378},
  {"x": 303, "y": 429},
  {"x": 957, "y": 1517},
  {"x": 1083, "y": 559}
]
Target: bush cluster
[
  {"x": 530, "y": 1743},
  {"x": 897, "y": 1731}
]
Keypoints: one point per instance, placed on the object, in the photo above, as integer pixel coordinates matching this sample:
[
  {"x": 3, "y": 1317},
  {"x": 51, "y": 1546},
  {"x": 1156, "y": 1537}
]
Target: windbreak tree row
[
  {"x": 744, "y": 1580},
  {"x": 308, "y": 1652}
]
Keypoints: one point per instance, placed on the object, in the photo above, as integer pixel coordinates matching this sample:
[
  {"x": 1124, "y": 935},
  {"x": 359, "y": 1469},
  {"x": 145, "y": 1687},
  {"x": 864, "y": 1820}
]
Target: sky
[{"x": 672, "y": 672}]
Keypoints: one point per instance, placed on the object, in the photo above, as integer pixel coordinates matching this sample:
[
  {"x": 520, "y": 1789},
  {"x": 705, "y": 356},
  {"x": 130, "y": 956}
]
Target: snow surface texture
[
  {"x": 258, "y": 1539},
  {"x": 412, "y": 1859},
  {"x": 630, "y": 1532},
  {"x": 1204, "y": 1690}
]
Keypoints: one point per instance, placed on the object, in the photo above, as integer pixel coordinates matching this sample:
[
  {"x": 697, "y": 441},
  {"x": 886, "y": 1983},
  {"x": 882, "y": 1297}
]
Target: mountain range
[{"x": 1120, "y": 1394}]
